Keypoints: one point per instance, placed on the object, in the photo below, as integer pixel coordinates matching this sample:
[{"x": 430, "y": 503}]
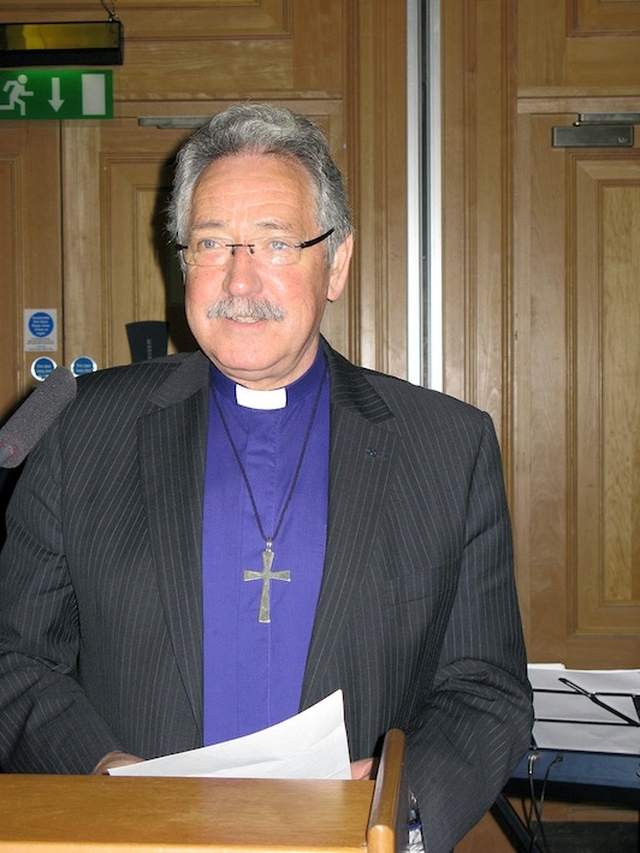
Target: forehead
[{"x": 252, "y": 188}]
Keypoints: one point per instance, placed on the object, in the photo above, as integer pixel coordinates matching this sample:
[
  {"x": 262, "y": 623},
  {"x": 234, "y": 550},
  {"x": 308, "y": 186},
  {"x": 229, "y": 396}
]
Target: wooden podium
[{"x": 52, "y": 814}]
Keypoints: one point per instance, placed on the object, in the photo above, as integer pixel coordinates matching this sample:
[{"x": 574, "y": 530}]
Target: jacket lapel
[
  {"x": 172, "y": 448},
  {"x": 363, "y": 440}
]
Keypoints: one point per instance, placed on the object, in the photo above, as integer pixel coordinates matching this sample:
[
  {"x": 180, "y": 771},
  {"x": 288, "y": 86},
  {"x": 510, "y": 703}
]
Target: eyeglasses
[{"x": 270, "y": 251}]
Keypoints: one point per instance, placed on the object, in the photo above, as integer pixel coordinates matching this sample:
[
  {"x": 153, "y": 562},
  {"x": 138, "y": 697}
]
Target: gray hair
[{"x": 262, "y": 129}]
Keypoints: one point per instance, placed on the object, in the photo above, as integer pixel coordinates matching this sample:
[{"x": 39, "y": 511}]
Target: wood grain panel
[
  {"x": 605, "y": 324},
  {"x": 205, "y": 19},
  {"x": 150, "y": 19},
  {"x": 184, "y": 70},
  {"x": 478, "y": 162},
  {"x": 585, "y": 47},
  {"x": 604, "y": 17},
  {"x": 11, "y": 338},
  {"x": 81, "y": 242},
  {"x": 577, "y": 399},
  {"x": 375, "y": 119},
  {"x": 540, "y": 390},
  {"x": 31, "y": 269}
]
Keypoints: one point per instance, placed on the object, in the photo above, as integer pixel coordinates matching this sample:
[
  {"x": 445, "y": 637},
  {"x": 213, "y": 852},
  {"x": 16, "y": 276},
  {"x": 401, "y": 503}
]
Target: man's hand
[
  {"x": 114, "y": 759},
  {"x": 361, "y": 769}
]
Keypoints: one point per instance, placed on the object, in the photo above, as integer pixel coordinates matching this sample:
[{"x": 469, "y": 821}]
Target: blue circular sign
[
  {"x": 83, "y": 364},
  {"x": 41, "y": 324},
  {"x": 42, "y": 368}
]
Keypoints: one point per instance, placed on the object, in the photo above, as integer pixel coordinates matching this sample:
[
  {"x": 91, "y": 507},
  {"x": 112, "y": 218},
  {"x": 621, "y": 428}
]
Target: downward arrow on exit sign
[{"x": 55, "y": 101}]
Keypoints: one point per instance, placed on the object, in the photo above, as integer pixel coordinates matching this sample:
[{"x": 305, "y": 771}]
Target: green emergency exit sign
[{"x": 55, "y": 94}]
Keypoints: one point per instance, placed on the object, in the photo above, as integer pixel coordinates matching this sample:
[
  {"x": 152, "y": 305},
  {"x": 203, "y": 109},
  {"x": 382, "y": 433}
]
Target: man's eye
[
  {"x": 277, "y": 244},
  {"x": 209, "y": 244}
]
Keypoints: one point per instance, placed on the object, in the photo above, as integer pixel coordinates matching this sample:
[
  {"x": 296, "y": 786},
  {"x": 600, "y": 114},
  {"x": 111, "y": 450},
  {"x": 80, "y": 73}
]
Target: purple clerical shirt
[{"x": 253, "y": 671}]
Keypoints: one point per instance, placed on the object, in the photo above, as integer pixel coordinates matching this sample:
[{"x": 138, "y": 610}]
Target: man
[{"x": 205, "y": 544}]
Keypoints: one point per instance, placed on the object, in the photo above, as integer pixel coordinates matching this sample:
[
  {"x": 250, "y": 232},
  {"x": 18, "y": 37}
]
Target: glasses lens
[
  {"x": 267, "y": 251},
  {"x": 208, "y": 252},
  {"x": 278, "y": 252}
]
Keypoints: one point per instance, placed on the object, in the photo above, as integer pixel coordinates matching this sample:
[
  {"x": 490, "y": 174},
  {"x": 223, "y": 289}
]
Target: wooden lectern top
[
  {"x": 96, "y": 813},
  {"x": 90, "y": 814}
]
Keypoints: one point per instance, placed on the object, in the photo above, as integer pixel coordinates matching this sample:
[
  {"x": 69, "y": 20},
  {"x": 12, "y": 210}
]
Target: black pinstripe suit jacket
[{"x": 100, "y": 584}]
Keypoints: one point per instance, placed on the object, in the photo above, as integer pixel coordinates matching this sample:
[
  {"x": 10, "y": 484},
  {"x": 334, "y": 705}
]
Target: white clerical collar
[{"x": 267, "y": 400}]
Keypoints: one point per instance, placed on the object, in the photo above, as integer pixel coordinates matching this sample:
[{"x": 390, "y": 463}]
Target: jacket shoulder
[
  {"x": 391, "y": 397},
  {"x": 183, "y": 373}
]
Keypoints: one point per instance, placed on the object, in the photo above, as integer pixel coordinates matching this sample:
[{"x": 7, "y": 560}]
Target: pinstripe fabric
[{"x": 100, "y": 603}]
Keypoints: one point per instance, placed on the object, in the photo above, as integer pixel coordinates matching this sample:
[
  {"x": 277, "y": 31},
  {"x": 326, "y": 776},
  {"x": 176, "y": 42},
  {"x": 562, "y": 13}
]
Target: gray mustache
[{"x": 233, "y": 307}]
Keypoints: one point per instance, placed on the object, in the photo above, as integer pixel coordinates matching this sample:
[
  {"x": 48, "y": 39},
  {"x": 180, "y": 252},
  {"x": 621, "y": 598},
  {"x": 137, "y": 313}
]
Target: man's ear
[{"x": 340, "y": 269}]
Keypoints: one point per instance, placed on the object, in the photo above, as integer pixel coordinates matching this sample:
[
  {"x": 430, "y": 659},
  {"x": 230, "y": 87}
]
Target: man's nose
[{"x": 243, "y": 275}]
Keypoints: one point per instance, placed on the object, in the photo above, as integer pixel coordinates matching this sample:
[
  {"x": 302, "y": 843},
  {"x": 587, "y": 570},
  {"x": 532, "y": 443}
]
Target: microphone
[{"x": 26, "y": 427}]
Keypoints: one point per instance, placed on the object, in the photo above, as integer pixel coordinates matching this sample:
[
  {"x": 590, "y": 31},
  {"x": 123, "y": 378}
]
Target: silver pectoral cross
[{"x": 266, "y": 576}]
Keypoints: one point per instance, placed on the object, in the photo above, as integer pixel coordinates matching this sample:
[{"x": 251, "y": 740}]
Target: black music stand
[{"x": 586, "y": 745}]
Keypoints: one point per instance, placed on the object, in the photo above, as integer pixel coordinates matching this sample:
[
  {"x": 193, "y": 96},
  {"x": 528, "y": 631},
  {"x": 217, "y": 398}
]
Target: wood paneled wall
[{"x": 542, "y": 313}]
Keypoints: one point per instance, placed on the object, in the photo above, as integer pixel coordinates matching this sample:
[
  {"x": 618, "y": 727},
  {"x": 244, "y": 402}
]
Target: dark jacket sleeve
[
  {"x": 475, "y": 724},
  {"x": 46, "y": 723}
]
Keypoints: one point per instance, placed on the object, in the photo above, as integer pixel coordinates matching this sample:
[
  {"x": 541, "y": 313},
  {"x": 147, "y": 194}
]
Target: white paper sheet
[
  {"x": 311, "y": 745},
  {"x": 567, "y": 719}
]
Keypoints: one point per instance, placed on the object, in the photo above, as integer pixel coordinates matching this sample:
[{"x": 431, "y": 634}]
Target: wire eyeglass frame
[{"x": 255, "y": 250}]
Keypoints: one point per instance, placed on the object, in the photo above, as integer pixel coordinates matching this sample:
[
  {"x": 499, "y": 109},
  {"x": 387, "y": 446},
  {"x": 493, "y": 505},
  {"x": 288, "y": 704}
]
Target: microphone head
[{"x": 26, "y": 427}]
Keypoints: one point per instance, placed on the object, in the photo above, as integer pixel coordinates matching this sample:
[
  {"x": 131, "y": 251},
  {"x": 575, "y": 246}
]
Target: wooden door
[
  {"x": 577, "y": 324},
  {"x": 577, "y": 396}
]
